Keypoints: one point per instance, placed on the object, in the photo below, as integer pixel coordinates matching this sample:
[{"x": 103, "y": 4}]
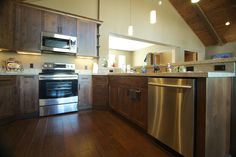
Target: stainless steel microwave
[{"x": 58, "y": 43}]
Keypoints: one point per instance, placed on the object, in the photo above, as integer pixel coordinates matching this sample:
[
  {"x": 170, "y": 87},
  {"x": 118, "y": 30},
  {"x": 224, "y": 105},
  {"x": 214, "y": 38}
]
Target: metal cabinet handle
[{"x": 170, "y": 85}]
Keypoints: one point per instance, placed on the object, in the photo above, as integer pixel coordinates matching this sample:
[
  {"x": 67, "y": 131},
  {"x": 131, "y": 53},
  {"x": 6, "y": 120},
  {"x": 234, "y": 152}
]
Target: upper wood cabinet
[
  {"x": 7, "y": 11},
  {"x": 27, "y": 30},
  {"x": 60, "y": 24},
  {"x": 28, "y": 94},
  {"x": 87, "y": 38}
]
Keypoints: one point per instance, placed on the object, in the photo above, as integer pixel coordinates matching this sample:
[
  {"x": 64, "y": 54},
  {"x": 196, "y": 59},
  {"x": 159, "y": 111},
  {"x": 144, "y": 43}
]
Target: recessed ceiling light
[
  {"x": 195, "y": 1},
  {"x": 160, "y": 2},
  {"x": 227, "y": 23}
]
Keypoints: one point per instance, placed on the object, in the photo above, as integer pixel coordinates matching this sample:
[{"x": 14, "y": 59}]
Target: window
[
  {"x": 122, "y": 62},
  {"x": 111, "y": 60}
]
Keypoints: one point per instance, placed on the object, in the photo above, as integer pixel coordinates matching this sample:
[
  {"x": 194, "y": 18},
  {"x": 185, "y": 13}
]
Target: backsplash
[{"x": 38, "y": 60}]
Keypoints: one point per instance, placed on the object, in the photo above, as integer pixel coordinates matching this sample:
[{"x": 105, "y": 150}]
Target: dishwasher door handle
[{"x": 169, "y": 85}]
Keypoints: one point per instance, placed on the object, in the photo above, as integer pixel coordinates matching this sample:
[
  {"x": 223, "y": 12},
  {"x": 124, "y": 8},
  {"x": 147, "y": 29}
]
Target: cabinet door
[
  {"x": 113, "y": 97},
  {"x": 50, "y": 22},
  {"x": 68, "y": 25},
  {"x": 8, "y": 96},
  {"x": 28, "y": 94},
  {"x": 100, "y": 92},
  {"x": 139, "y": 108},
  {"x": 7, "y": 14},
  {"x": 124, "y": 103},
  {"x": 85, "y": 92},
  {"x": 28, "y": 30},
  {"x": 87, "y": 38},
  {"x": 100, "y": 96}
]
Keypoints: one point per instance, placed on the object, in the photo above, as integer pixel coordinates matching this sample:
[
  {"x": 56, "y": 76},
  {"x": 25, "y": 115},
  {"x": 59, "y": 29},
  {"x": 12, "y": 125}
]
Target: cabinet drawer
[
  {"x": 100, "y": 79},
  {"x": 136, "y": 81},
  {"x": 7, "y": 80},
  {"x": 86, "y": 78}
]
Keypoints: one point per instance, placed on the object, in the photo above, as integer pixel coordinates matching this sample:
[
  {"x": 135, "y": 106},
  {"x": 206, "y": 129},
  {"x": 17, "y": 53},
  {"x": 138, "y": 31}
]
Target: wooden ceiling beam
[{"x": 209, "y": 25}]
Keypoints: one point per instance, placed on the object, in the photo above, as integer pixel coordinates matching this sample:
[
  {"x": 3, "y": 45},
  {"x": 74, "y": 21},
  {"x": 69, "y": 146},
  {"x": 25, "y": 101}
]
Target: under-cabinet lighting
[
  {"x": 227, "y": 23},
  {"x": 153, "y": 16},
  {"x": 85, "y": 57},
  {"x": 28, "y": 53},
  {"x": 160, "y": 3},
  {"x": 195, "y": 1},
  {"x": 130, "y": 30}
]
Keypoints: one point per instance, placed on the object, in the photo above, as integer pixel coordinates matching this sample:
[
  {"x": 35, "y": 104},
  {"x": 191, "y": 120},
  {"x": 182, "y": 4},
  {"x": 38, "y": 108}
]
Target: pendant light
[
  {"x": 195, "y": 1},
  {"x": 153, "y": 15},
  {"x": 130, "y": 28}
]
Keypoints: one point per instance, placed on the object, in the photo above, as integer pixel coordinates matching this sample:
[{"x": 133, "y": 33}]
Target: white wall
[
  {"x": 170, "y": 28},
  {"x": 229, "y": 47},
  {"x": 87, "y": 8}
]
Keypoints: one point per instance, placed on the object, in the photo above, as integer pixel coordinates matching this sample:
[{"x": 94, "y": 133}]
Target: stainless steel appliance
[
  {"x": 58, "y": 43},
  {"x": 171, "y": 113},
  {"x": 58, "y": 89}
]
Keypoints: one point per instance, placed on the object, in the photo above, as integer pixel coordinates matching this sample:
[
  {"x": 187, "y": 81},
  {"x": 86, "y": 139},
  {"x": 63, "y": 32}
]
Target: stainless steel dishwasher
[{"x": 171, "y": 113}]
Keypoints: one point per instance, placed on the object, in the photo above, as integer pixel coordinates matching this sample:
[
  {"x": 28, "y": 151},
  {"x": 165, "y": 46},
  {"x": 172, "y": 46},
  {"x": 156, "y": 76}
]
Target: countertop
[
  {"x": 178, "y": 74},
  {"x": 161, "y": 74}
]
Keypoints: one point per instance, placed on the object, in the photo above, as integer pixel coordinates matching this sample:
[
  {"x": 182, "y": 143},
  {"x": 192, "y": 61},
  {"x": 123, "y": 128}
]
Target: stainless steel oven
[
  {"x": 58, "y": 43},
  {"x": 58, "y": 90}
]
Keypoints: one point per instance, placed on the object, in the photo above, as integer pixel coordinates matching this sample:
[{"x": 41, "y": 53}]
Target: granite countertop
[
  {"x": 178, "y": 74},
  {"x": 25, "y": 72}
]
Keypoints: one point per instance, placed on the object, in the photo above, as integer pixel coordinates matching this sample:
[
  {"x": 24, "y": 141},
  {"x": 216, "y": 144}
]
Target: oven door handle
[{"x": 63, "y": 77}]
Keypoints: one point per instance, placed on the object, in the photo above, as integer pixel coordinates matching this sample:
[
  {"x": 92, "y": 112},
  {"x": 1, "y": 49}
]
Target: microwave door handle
[{"x": 70, "y": 43}]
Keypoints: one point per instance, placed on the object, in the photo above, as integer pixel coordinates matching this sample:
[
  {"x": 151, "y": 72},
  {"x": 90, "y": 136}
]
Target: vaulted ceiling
[{"x": 207, "y": 19}]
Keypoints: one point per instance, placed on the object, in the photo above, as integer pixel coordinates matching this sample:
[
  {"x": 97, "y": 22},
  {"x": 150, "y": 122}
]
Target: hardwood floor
[{"x": 86, "y": 134}]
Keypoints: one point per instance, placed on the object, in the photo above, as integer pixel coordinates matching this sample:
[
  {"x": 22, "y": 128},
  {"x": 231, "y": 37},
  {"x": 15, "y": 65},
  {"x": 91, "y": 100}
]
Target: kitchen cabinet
[
  {"x": 7, "y": 11},
  {"x": 27, "y": 30},
  {"x": 56, "y": 23},
  {"x": 28, "y": 92},
  {"x": 113, "y": 96},
  {"x": 100, "y": 91},
  {"x": 8, "y": 96},
  {"x": 85, "y": 92},
  {"x": 128, "y": 97},
  {"x": 87, "y": 38}
]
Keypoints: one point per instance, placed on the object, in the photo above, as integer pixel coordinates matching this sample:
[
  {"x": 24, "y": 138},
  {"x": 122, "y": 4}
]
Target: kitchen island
[{"x": 214, "y": 105}]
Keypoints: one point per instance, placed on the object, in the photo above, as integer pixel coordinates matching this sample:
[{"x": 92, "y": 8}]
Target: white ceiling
[{"x": 124, "y": 44}]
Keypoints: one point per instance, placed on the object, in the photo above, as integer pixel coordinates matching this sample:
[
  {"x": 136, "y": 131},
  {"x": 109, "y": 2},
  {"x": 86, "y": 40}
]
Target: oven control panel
[{"x": 58, "y": 66}]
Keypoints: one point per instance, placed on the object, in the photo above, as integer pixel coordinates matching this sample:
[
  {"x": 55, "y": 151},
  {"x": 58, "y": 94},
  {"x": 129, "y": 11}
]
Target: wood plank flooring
[{"x": 84, "y": 134}]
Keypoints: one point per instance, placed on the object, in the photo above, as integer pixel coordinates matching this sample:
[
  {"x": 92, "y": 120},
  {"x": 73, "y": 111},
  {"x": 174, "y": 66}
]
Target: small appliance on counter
[
  {"x": 58, "y": 89},
  {"x": 12, "y": 65}
]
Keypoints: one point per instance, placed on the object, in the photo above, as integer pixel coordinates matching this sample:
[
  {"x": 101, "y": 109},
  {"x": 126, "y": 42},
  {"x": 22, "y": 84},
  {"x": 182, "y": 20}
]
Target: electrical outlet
[
  {"x": 31, "y": 65},
  {"x": 86, "y": 67}
]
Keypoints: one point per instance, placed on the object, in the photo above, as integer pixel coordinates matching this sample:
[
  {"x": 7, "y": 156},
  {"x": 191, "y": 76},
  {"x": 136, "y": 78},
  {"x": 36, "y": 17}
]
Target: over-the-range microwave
[{"x": 58, "y": 43}]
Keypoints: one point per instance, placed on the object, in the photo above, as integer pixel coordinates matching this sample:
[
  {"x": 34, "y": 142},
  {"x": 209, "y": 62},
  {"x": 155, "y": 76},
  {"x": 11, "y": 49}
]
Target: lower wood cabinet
[
  {"x": 128, "y": 97},
  {"x": 28, "y": 94},
  {"x": 100, "y": 91},
  {"x": 85, "y": 92},
  {"x": 8, "y": 96},
  {"x": 18, "y": 97}
]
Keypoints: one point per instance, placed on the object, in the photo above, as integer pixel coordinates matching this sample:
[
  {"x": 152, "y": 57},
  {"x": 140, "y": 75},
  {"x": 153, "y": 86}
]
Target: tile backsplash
[{"x": 38, "y": 60}]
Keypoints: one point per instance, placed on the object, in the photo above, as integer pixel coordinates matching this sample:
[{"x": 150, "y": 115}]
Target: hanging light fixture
[
  {"x": 153, "y": 16},
  {"x": 195, "y": 1},
  {"x": 130, "y": 28}
]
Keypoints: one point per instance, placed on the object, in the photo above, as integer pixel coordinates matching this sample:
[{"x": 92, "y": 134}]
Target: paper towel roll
[{"x": 95, "y": 68}]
